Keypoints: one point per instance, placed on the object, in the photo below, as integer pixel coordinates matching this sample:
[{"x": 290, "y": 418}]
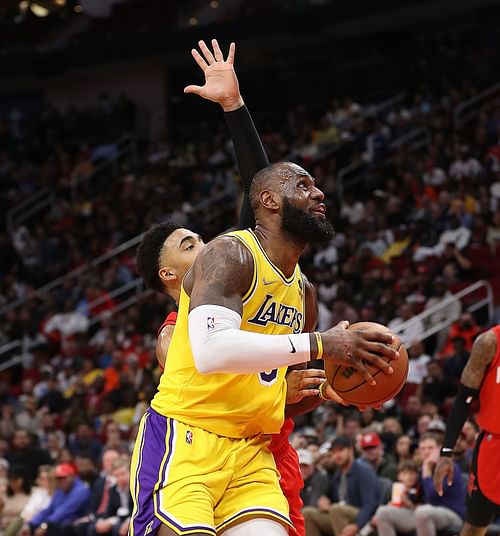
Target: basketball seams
[
  {"x": 363, "y": 381},
  {"x": 352, "y": 388}
]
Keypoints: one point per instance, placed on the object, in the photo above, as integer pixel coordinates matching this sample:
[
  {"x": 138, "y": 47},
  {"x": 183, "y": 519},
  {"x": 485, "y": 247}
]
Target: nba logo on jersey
[
  {"x": 189, "y": 437},
  {"x": 498, "y": 375},
  {"x": 210, "y": 323}
]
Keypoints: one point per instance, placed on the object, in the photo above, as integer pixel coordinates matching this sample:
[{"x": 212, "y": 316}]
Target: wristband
[
  {"x": 321, "y": 393},
  {"x": 319, "y": 344},
  {"x": 446, "y": 452}
]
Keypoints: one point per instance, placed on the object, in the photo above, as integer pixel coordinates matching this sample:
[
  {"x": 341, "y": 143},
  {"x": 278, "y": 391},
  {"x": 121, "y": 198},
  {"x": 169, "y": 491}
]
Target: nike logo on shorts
[{"x": 292, "y": 351}]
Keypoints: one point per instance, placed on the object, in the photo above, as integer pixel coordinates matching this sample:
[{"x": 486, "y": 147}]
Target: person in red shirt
[
  {"x": 180, "y": 246},
  {"x": 480, "y": 379}
]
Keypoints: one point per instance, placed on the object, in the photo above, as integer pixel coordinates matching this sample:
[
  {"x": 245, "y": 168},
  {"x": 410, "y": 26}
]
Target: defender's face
[{"x": 180, "y": 251}]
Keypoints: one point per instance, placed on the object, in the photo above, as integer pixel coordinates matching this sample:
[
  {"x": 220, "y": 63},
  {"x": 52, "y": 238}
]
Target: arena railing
[
  {"x": 101, "y": 259},
  {"x": 426, "y": 316},
  {"x": 354, "y": 173},
  {"x": 138, "y": 292},
  {"x": 471, "y": 108},
  {"x": 43, "y": 198},
  {"x": 28, "y": 207}
]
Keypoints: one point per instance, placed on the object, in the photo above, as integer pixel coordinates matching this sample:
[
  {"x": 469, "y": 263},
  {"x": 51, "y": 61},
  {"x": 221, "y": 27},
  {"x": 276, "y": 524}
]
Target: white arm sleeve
[{"x": 219, "y": 345}]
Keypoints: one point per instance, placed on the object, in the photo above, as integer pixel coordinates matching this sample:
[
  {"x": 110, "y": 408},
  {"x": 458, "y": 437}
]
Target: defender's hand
[
  {"x": 221, "y": 84},
  {"x": 444, "y": 468},
  {"x": 352, "y": 348},
  {"x": 299, "y": 381}
]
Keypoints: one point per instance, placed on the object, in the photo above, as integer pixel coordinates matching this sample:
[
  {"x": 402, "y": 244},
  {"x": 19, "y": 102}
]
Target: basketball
[{"x": 349, "y": 384}]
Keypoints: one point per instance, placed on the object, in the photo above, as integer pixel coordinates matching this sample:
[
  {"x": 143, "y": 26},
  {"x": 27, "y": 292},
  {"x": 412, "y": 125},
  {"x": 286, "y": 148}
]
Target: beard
[{"x": 303, "y": 226}]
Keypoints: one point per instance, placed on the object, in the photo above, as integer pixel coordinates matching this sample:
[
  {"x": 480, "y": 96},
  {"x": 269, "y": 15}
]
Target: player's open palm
[
  {"x": 221, "y": 84},
  {"x": 353, "y": 348},
  {"x": 444, "y": 469}
]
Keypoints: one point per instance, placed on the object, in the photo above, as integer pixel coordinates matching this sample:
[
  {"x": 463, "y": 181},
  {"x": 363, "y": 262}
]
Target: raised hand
[
  {"x": 221, "y": 84},
  {"x": 352, "y": 348}
]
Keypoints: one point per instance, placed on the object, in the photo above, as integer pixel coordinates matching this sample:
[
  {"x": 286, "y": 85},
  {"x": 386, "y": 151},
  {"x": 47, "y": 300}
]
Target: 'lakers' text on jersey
[{"x": 235, "y": 405}]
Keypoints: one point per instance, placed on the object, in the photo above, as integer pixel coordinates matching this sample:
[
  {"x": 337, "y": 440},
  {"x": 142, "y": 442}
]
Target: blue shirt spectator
[{"x": 69, "y": 501}]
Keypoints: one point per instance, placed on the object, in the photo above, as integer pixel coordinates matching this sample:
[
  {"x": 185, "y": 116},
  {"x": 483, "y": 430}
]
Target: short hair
[
  {"x": 148, "y": 253},
  {"x": 263, "y": 178},
  {"x": 432, "y": 435},
  {"x": 121, "y": 463},
  {"x": 408, "y": 465}
]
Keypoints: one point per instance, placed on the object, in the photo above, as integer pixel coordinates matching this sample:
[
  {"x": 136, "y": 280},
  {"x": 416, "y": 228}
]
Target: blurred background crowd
[{"x": 402, "y": 133}]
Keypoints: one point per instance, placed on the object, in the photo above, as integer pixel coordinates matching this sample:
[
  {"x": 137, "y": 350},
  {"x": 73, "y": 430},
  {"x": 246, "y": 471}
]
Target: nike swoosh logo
[
  {"x": 267, "y": 282},
  {"x": 292, "y": 351}
]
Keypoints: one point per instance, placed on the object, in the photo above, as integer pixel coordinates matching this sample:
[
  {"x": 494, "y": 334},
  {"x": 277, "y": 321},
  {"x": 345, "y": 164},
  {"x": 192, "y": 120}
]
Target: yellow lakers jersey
[{"x": 235, "y": 405}]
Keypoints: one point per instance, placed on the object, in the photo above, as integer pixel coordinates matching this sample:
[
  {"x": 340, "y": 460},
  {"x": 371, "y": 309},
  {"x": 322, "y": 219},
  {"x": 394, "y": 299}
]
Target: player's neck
[{"x": 282, "y": 251}]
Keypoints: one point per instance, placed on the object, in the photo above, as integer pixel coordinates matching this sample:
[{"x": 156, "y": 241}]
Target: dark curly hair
[{"x": 148, "y": 253}]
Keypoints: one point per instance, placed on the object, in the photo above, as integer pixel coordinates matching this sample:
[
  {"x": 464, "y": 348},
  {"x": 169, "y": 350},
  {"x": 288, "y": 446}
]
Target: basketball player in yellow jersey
[{"x": 201, "y": 454}]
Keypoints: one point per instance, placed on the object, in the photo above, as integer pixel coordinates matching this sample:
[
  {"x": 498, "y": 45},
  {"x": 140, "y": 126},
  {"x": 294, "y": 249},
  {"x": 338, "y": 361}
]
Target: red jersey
[
  {"x": 488, "y": 416},
  {"x": 170, "y": 320}
]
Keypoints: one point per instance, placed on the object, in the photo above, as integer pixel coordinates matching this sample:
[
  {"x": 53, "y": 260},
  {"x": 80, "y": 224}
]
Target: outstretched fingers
[
  {"x": 232, "y": 51},
  {"x": 209, "y": 57},
  {"x": 217, "y": 51},
  {"x": 198, "y": 58}
]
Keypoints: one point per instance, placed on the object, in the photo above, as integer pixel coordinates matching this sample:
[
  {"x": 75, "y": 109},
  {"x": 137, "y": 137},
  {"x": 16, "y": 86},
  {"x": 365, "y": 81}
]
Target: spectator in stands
[
  {"x": 493, "y": 233},
  {"x": 413, "y": 331},
  {"x": 455, "y": 363},
  {"x": 116, "y": 519},
  {"x": 436, "y": 387},
  {"x": 316, "y": 483},
  {"x": 466, "y": 328},
  {"x": 403, "y": 449},
  {"x": 411, "y": 413},
  {"x": 16, "y": 497},
  {"x": 28, "y": 417},
  {"x": 53, "y": 400},
  {"x": 99, "y": 493},
  {"x": 450, "y": 312},
  {"x": 372, "y": 451},
  {"x": 438, "y": 512},
  {"x": 351, "y": 426},
  {"x": 465, "y": 166},
  {"x": 399, "y": 514},
  {"x": 24, "y": 454},
  {"x": 67, "y": 504},
  {"x": 417, "y": 369},
  {"x": 84, "y": 444},
  {"x": 38, "y": 500},
  {"x": 353, "y": 497}
]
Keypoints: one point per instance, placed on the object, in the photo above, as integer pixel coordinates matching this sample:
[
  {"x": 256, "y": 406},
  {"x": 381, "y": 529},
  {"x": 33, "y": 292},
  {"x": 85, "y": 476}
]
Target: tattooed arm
[
  {"x": 221, "y": 274},
  {"x": 482, "y": 354}
]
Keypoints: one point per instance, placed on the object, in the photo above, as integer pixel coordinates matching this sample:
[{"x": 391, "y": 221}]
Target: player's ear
[
  {"x": 167, "y": 274},
  {"x": 270, "y": 200}
]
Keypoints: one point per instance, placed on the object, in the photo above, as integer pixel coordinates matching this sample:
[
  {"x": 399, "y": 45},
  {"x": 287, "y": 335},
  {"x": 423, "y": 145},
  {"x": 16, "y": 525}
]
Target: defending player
[
  {"x": 221, "y": 86},
  {"x": 480, "y": 378}
]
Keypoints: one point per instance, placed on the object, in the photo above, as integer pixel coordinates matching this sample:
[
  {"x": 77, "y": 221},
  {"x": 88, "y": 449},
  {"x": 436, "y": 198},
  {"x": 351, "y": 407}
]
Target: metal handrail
[
  {"x": 27, "y": 207},
  {"x": 74, "y": 273},
  {"x": 442, "y": 305},
  {"x": 460, "y": 114},
  {"x": 132, "y": 242},
  {"x": 417, "y": 138},
  {"x": 45, "y": 196}
]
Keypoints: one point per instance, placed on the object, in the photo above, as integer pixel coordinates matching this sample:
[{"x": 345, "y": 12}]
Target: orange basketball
[{"x": 352, "y": 387}]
